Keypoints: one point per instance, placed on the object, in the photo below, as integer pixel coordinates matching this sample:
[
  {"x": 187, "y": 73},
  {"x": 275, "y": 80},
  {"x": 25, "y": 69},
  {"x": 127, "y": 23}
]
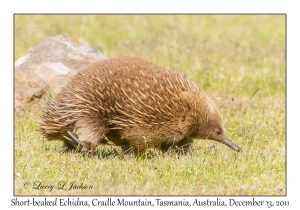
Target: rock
[{"x": 50, "y": 64}]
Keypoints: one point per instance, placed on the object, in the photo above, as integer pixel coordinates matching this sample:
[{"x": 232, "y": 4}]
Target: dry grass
[{"x": 238, "y": 60}]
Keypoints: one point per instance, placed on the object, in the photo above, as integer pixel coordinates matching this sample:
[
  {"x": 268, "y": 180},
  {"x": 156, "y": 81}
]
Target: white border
[{"x": 112, "y": 6}]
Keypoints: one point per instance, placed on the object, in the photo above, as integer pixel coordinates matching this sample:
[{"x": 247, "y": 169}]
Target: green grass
[{"x": 238, "y": 60}]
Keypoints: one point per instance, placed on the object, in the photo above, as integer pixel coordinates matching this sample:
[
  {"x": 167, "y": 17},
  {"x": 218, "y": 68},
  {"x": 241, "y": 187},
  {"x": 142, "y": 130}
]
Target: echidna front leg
[
  {"x": 182, "y": 147},
  {"x": 165, "y": 147}
]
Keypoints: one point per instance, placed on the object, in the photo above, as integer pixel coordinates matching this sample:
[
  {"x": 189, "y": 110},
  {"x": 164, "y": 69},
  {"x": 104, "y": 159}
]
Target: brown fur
[{"x": 135, "y": 104}]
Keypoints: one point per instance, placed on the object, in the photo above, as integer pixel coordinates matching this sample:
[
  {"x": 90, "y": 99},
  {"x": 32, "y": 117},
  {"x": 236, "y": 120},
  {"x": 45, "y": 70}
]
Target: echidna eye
[{"x": 219, "y": 132}]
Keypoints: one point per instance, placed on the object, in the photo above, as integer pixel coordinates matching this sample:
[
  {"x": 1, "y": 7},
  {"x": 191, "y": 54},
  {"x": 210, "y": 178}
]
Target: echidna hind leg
[
  {"x": 74, "y": 142},
  {"x": 90, "y": 132}
]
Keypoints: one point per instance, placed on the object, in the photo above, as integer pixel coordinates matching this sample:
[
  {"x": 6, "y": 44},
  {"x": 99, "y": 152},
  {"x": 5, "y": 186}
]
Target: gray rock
[{"x": 50, "y": 64}]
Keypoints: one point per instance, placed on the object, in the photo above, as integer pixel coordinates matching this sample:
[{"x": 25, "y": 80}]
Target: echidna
[{"x": 134, "y": 104}]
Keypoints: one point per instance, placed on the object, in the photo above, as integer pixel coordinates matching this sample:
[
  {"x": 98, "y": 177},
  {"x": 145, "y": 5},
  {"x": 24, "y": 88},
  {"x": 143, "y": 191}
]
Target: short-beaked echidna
[{"x": 134, "y": 104}]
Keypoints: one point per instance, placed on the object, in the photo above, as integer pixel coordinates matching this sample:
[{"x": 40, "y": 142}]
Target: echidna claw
[
  {"x": 74, "y": 141},
  {"x": 70, "y": 141}
]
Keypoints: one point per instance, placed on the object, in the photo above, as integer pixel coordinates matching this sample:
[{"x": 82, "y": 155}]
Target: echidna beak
[{"x": 230, "y": 144}]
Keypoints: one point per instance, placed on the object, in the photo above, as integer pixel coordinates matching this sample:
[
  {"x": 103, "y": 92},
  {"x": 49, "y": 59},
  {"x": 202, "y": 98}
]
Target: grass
[{"x": 239, "y": 60}]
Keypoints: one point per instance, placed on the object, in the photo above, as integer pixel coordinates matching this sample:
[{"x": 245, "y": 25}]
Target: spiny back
[{"x": 125, "y": 91}]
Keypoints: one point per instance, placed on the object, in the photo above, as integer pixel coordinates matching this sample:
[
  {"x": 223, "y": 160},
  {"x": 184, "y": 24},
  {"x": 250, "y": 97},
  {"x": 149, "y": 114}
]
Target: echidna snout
[{"x": 230, "y": 144}]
